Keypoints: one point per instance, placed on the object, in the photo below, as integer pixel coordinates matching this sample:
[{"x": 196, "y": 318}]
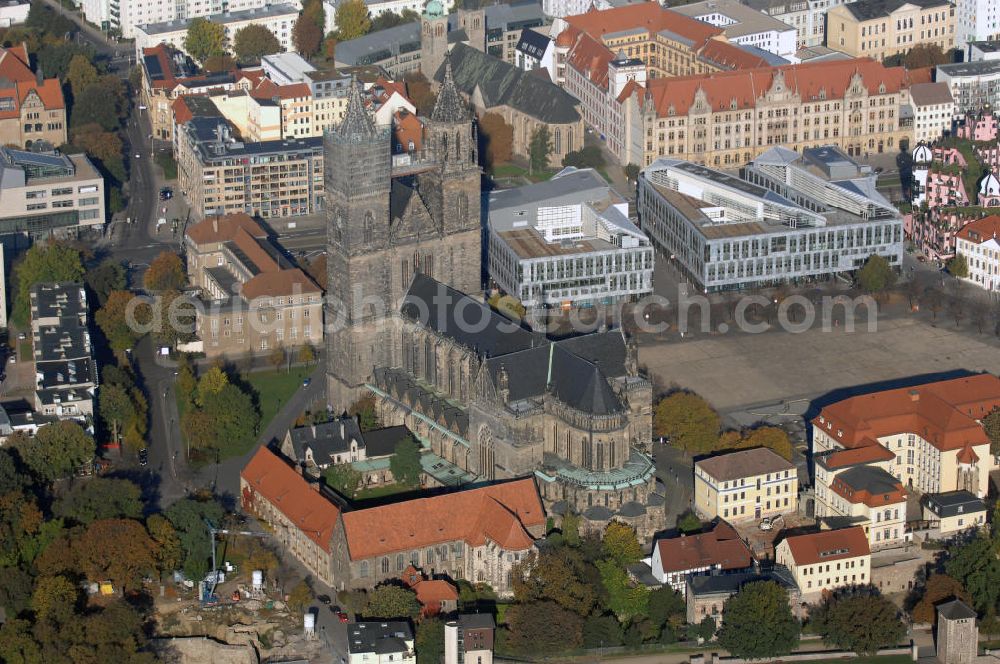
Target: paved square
[{"x": 739, "y": 370}]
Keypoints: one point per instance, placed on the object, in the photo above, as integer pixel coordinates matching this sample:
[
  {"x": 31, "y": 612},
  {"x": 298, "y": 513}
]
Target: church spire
[
  {"x": 357, "y": 124},
  {"x": 449, "y": 106}
]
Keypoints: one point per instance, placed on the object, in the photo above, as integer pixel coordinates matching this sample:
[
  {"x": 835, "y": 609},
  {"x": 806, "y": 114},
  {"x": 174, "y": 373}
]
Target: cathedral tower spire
[{"x": 449, "y": 106}]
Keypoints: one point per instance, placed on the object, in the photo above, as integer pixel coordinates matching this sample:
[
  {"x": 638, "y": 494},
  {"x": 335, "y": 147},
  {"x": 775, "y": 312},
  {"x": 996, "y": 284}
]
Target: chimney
[
  {"x": 215, "y": 224},
  {"x": 914, "y": 395}
]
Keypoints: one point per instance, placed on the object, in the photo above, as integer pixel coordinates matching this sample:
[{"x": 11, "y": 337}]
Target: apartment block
[
  {"x": 745, "y": 484},
  {"x": 933, "y": 110},
  {"x": 954, "y": 511},
  {"x": 129, "y": 17},
  {"x": 977, "y": 242},
  {"x": 221, "y": 175},
  {"x": 791, "y": 216},
  {"x": 932, "y": 432},
  {"x": 826, "y": 561},
  {"x": 32, "y": 109},
  {"x": 63, "y": 356},
  {"x": 44, "y": 194},
  {"x": 745, "y": 25},
  {"x": 976, "y": 21},
  {"x": 882, "y": 28},
  {"x": 975, "y": 86},
  {"x": 864, "y": 495},
  {"x": 808, "y": 17},
  {"x": 567, "y": 242},
  {"x": 255, "y": 300},
  {"x": 278, "y": 18}
]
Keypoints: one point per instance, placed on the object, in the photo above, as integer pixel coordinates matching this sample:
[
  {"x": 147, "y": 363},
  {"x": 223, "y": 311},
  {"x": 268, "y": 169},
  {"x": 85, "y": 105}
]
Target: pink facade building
[
  {"x": 933, "y": 232},
  {"x": 950, "y": 156},
  {"x": 945, "y": 190},
  {"x": 977, "y": 127}
]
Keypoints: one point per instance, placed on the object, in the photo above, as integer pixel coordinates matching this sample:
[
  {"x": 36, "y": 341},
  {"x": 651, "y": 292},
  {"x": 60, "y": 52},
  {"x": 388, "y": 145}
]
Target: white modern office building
[
  {"x": 744, "y": 25},
  {"x": 279, "y": 19},
  {"x": 808, "y": 17},
  {"x": 125, "y": 16},
  {"x": 567, "y": 242},
  {"x": 789, "y": 217}
]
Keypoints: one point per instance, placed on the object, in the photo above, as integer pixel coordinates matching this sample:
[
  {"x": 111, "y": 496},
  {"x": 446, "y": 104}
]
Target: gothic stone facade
[{"x": 382, "y": 228}]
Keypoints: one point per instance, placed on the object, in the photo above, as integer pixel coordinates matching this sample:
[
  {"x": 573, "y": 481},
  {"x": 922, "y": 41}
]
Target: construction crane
[{"x": 212, "y": 532}]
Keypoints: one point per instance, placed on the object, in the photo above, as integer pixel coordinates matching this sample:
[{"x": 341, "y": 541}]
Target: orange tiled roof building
[
  {"x": 32, "y": 109},
  {"x": 478, "y": 534},
  {"x": 926, "y": 437}
]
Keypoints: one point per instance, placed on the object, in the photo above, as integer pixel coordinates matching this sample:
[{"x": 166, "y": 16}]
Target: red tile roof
[
  {"x": 967, "y": 455},
  {"x": 15, "y": 65},
  {"x": 721, "y": 547},
  {"x": 407, "y": 127},
  {"x": 944, "y": 413},
  {"x": 220, "y": 229},
  {"x": 502, "y": 513},
  {"x": 269, "y": 478},
  {"x": 291, "y": 281},
  {"x": 294, "y": 91},
  {"x": 744, "y": 463},
  {"x": 648, "y": 16},
  {"x": 873, "y": 487},
  {"x": 981, "y": 230},
  {"x": 434, "y": 591},
  {"x": 744, "y": 87},
  {"x": 828, "y": 545},
  {"x": 49, "y": 92},
  {"x": 871, "y": 453}
]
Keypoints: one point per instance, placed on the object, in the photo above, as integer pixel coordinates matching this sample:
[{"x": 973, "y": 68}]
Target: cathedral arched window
[
  {"x": 569, "y": 141},
  {"x": 557, "y": 142},
  {"x": 458, "y": 146},
  {"x": 462, "y": 205},
  {"x": 439, "y": 31},
  {"x": 385, "y": 565},
  {"x": 369, "y": 227},
  {"x": 444, "y": 146}
]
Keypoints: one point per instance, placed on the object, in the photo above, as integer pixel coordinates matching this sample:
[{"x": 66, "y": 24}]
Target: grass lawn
[
  {"x": 513, "y": 171},
  {"x": 275, "y": 388},
  {"x": 24, "y": 351},
  {"x": 884, "y": 659},
  {"x": 382, "y": 491},
  {"x": 167, "y": 163}
]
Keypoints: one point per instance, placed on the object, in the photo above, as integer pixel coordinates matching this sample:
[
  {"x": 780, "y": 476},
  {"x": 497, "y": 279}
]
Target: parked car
[
  {"x": 325, "y": 599},
  {"x": 305, "y": 382},
  {"x": 143, "y": 456},
  {"x": 342, "y": 617}
]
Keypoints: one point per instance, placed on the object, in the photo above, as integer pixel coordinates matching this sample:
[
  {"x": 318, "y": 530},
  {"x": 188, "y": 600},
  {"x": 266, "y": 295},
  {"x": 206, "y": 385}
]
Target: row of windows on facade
[
  {"x": 742, "y": 509},
  {"x": 743, "y": 494},
  {"x": 430, "y": 557},
  {"x": 836, "y": 580}
]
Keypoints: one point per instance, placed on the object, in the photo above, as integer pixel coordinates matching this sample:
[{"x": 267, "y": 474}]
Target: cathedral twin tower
[{"x": 382, "y": 227}]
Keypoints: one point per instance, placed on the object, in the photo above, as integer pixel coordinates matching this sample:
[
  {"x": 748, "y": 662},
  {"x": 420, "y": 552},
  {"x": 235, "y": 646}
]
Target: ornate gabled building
[{"x": 496, "y": 399}]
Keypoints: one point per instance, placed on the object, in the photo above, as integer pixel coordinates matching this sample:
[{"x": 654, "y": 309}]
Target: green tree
[
  {"x": 390, "y": 601},
  {"x": 168, "y": 551},
  {"x": 352, "y": 20},
  {"x": 81, "y": 74},
  {"x": 991, "y": 424},
  {"x": 570, "y": 528},
  {"x": 277, "y": 357},
  {"x": 429, "y": 641},
  {"x": 666, "y": 605},
  {"x": 254, "y": 41},
  {"x": 958, "y": 267},
  {"x": 689, "y": 523},
  {"x": 757, "y": 622},
  {"x": 100, "y": 498},
  {"x": 306, "y": 36},
  {"x": 56, "y": 450},
  {"x": 387, "y": 20},
  {"x": 601, "y": 630},
  {"x": 704, "y": 630},
  {"x": 188, "y": 519},
  {"x": 18, "y": 645},
  {"x": 234, "y": 417},
  {"x": 405, "y": 463},
  {"x": 15, "y": 590},
  {"x": 539, "y": 148},
  {"x": 166, "y": 271},
  {"x": 343, "y": 478},
  {"x": 98, "y": 104},
  {"x": 42, "y": 263},
  {"x": 107, "y": 277},
  {"x": 116, "y": 408},
  {"x": 589, "y": 156},
  {"x": 211, "y": 382},
  {"x": 54, "y": 597},
  {"x": 543, "y": 628},
  {"x": 876, "y": 275},
  {"x": 496, "y": 140},
  {"x": 116, "y": 549},
  {"x": 204, "y": 39},
  {"x": 620, "y": 544},
  {"x": 632, "y": 172},
  {"x": 773, "y": 438},
  {"x": 120, "y": 318},
  {"x": 863, "y": 622},
  {"x": 974, "y": 564},
  {"x": 306, "y": 354},
  {"x": 364, "y": 410},
  {"x": 625, "y": 598},
  {"x": 557, "y": 574},
  {"x": 688, "y": 421},
  {"x": 300, "y": 597},
  {"x": 939, "y": 588}
]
